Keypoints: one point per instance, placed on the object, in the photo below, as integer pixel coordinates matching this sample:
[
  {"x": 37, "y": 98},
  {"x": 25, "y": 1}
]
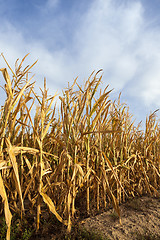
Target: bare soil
[{"x": 140, "y": 220}]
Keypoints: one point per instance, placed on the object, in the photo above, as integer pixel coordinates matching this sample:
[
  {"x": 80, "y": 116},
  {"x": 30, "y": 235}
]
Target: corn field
[{"x": 88, "y": 151}]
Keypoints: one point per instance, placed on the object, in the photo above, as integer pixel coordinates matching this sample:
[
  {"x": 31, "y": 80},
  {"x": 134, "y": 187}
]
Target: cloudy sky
[{"x": 72, "y": 38}]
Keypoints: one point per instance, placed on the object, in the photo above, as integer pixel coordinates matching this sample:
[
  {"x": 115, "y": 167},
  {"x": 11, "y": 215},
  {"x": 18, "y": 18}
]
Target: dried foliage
[{"x": 88, "y": 152}]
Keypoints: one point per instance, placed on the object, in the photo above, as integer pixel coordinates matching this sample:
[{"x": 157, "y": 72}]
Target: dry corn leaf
[
  {"x": 33, "y": 151},
  {"x": 8, "y": 215},
  {"x": 145, "y": 175},
  {"x": 51, "y": 206},
  {"x": 114, "y": 173},
  {"x": 19, "y": 95},
  {"x": 77, "y": 169},
  {"x": 15, "y": 168},
  {"x": 111, "y": 195},
  {"x": 98, "y": 102},
  {"x": 8, "y": 80},
  {"x": 3, "y": 165}
]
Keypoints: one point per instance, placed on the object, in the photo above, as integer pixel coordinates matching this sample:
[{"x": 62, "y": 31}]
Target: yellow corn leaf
[
  {"x": 97, "y": 84},
  {"x": 52, "y": 208},
  {"x": 52, "y": 99},
  {"x": 18, "y": 150},
  {"x": 77, "y": 168},
  {"x": 37, "y": 97},
  {"x": 20, "y": 65},
  {"x": 82, "y": 106},
  {"x": 7, "y": 79},
  {"x": 111, "y": 196},
  {"x": 28, "y": 111},
  {"x": 1, "y": 156},
  {"x": 28, "y": 165},
  {"x": 145, "y": 175},
  {"x": 3, "y": 164},
  {"x": 46, "y": 129},
  {"x": 69, "y": 200},
  {"x": 99, "y": 113},
  {"x": 86, "y": 176},
  {"x": 114, "y": 173},
  {"x": 19, "y": 95},
  {"x": 98, "y": 102},
  {"x": 15, "y": 168},
  {"x": 8, "y": 65},
  {"x": 80, "y": 170},
  {"x": 27, "y": 69},
  {"x": 60, "y": 166},
  {"x": 46, "y": 171},
  {"x": 29, "y": 184},
  {"x": 156, "y": 193},
  {"x": 100, "y": 131},
  {"x": 8, "y": 215},
  {"x": 29, "y": 150},
  {"x": 155, "y": 169}
]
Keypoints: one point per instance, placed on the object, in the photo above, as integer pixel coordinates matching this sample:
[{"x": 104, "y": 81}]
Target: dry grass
[{"x": 49, "y": 161}]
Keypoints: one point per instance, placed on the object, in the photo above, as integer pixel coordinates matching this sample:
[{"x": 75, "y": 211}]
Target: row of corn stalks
[{"x": 87, "y": 151}]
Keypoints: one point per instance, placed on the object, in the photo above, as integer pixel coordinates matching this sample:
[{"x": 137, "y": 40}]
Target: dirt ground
[{"x": 140, "y": 220}]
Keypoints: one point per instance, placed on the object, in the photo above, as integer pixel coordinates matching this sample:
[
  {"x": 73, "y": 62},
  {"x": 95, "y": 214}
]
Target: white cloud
[
  {"x": 119, "y": 41},
  {"x": 52, "y": 3},
  {"x": 115, "y": 38}
]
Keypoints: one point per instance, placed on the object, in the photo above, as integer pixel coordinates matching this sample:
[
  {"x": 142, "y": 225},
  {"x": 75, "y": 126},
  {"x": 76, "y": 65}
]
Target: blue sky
[{"x": 72, "y": 38}]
